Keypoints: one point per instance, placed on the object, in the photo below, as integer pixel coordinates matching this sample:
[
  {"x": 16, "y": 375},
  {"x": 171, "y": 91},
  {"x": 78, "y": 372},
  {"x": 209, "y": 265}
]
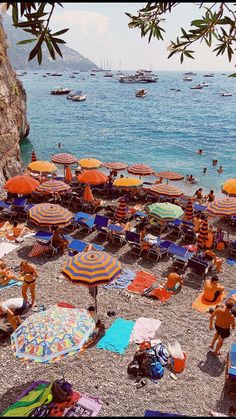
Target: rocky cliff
[{"x": 13, "y": 122}]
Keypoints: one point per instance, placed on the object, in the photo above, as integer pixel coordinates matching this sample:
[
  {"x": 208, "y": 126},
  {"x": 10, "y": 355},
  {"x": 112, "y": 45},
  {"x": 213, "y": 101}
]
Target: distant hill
[{"x": 19, "y": 54}]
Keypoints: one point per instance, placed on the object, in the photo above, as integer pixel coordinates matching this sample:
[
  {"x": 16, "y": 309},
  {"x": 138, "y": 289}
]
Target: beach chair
[
  {"x": 116, "y": 234},
  {"x": 175, "y": 232},
  {"x": 199, "y": 208},
  {"x": 230, "y": 371},
  {"x": 101, "y": 223},
  {"x": 180, "y": 256},
  {"x": 198, "y": 266},
  {"x": 156, "y": 252},
  {"x": 189, "y": 236},
  {"x": 19, "y": 203},
  {"x": 87, "y": 224},
  {"x": 232, "y": 248},
  {"x": 4, "y": 204},
  {"x": 76, "y": 246},
  {"x": 43, "y": 236},
  {"x": 9, "y": 214},
  {"x": 134, "y": 241}
]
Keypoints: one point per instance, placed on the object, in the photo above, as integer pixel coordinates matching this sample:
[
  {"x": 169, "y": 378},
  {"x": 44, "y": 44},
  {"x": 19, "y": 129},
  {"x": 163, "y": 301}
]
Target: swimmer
[
  {"x": 204, "y": 170},
  {"x": 214, "y": 162},
  {"x": 59, "y": 145},
  {"x": 220, "y": 170},
  {"x": 200, "y": 151}
]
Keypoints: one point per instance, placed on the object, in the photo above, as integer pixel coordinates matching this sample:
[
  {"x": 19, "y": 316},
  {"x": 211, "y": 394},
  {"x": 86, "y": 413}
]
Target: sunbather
[
  {"x": 210, "y": 256},
  {"x": 58, "y": 240},
  {"x": 223, "y": 322},
  {"x": 5, "y": 274},
  {"x": 212, "y": 289},
  {"x": 17, "y": 230},
  {"x": 174, "y": 280}
]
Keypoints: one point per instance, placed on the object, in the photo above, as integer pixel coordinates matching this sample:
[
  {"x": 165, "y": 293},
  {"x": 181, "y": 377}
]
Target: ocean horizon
[{"x": 164, "y": 129}]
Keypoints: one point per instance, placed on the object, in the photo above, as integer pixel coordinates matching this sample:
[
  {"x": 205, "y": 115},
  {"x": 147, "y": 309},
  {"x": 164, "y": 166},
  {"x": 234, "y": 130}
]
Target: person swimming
[
  {"x": 200, "y": 151},
  {"x": 220, "y": 170}
]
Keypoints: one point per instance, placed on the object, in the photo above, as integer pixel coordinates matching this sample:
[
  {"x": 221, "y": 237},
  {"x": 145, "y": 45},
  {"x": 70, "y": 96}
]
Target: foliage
[{"x": 36, "y": 22}]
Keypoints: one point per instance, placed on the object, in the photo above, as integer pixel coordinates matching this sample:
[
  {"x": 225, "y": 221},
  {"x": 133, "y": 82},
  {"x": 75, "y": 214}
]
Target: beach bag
[
  {"x": 178, "y": 357},
  {"x": 157, "y": 370}
]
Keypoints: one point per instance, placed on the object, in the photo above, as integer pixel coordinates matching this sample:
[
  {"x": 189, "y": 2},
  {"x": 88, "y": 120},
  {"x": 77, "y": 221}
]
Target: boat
[
  {"x": 93, "y": 73},
  {"x": 141, "y": 93},
  {"x": 141, "y": 76},
  {"x": 77, "y": 96},
  {"x": 44, "y": 75},
  {"x": 226, "y": 94},
  {"x": 198, "y": 86},
  {"x": 60, "y": 91},
  {"x": 108, "y": 74},
  {"x": 72, "y": 76},
  {"x": 75, "y": 72},
  {"x": 186, "y": 78},
  {"x": 189, "y": 73},
  {"x": 209, "y": 75},
  {"x": 204, "y": 84},
  {"x": 55, "y": 74}
]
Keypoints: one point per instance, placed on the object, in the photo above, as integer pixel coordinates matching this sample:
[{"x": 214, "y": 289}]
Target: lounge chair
[
  {"x": 156, "y": 252},
  {"x": 175, "y": 232},
  {"x": 198, "y": 266},
  {"x": 199, "y": 208},
  {"x": 79, "y": 246},
  {"x": 180, "y": 256},
  {"x": 189, "y": 236},
  {"x": 43, "y": 236},
  {"x": 87, "y": 224},
  {"x": 117, "y": 233},
  {"x": 101, "y": 223},
  {"x": 19, "y": 203},
  {"x": 132, "y": 237},
  {"x": 230, "y": 373}
]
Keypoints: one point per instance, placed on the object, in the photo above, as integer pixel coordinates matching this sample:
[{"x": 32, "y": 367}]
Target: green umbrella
[{"x": 164, "y": 210}]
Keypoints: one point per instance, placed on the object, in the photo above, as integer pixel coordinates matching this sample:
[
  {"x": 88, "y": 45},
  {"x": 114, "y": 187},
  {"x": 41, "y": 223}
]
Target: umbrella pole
[
  {"x": 95, "y": 298},
  {"x": 62, "y": 371}
]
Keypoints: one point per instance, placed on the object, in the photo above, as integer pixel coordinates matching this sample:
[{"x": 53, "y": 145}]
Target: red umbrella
[
  {"x": 88, "y": 196},
  {"x": 169, "y": 175}
]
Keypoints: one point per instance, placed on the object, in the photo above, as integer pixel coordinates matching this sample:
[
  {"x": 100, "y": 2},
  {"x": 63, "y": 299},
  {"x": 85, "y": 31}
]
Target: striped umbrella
[
  {"x": 53, "y": 186},
  {"x": 115, "y": 165},
  {"x": 33, "y": 156},
  {"x": 64, "y": 158},
  {"x": 90, "y": 163},
  {"x": 21, "y": 184},
  {"x": 189, "y": 210},
  {"x": 224, "y": 207},
  {"x": 166, "y": 190},
  {"x": 92, "y": 177},
  {"x": 41, "y": 166},
  {"x": 121, "y": 210},
  {"x": 140, "y": 169},
  {"x": 229, "y": 187},
  {"x": 50, "y": 214},
  {"x": 203, "y": 235},
  {"x": 169, "y": 175},
  {"x": 127, "y": 182},
  {"x": 91, "y": 269},
  {"x": 165, "y": 210},
  {"x": 88, "y": 196}
]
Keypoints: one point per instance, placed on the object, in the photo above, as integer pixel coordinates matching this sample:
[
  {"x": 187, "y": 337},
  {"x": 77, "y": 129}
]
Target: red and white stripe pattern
[{"x": 140, "y": 169}]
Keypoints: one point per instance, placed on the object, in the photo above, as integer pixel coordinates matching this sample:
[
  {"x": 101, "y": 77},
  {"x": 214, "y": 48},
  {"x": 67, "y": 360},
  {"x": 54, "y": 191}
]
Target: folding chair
[
  {"x": 180, "y": 256},
  {"x": 116, "y": 235},
  {"x": 156, "y": 252},
  {"x": 87, "y": 224},
  {"x": 175, "y": 232},
  {"x": 189, "y": 236},
  {"x": 199, "y": 208},
  {"x": 19, "y": 202},
  {"x": 132, "y": 237},
  {"x": 76, "y": 246},
  {"x": 43, "y": 236}
]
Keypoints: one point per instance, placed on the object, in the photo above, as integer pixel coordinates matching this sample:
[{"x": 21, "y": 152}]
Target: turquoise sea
[{"x": 164, "y": 129}]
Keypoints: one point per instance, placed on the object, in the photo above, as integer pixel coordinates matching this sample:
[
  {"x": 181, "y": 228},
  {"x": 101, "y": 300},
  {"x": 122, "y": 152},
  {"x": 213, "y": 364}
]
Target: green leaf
[
  {"x": 15, "y": 14},
  {"x": 59, "y": 41},
  {"x": 56, "y": 47},
  {"x": 61, "y": 32},
  {"x": 26, "y": 41},
  {"x": 39, "y": 55},
  {"x": 198, "y": 22},
  {"x": 35, "y": 50},
  {"x": 50, "y": 49}
]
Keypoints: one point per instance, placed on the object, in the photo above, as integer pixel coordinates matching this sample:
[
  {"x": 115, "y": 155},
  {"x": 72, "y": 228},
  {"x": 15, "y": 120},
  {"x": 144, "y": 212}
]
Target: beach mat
[
  {"x": 200, "y": 304},
  {"x": 6, "y": 248},
  {"x": 123, "y": 280},
  {"x": 117, "y": 337},
  {"x": 141, "y": 281},
  {"x": 157, "y": 413},
  {"x": 10, "y": 284},
  {"x": 144, "y": 329}
]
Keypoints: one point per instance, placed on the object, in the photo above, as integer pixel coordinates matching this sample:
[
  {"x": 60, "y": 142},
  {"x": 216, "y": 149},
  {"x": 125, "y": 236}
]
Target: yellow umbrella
[
  {"x": 127, "y": 182},
  {"x": 90, "y": 163},
  {"x": 42, "y": 166},
  {"x": 229, "y": 187}
]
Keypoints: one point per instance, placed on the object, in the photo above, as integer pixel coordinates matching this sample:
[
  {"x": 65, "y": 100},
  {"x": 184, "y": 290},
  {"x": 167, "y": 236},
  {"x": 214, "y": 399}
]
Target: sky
[{"x": 99, "y": 31}]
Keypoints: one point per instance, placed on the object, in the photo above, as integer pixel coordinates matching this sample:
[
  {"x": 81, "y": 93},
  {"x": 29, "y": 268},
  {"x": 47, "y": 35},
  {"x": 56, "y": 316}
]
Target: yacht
[
  {"x": 209, "y": 75},
  {"x": 189, "y": 73},
  {"x": 198, "y": 86},
  {"x": 75, "y": 72},
  {"x": 141, "y": 76},
  {"x": 93, "y": 73},
  {"x": 108, "y": 73},
  {"x": 60, "y": 91},
  {"x": 141, "y": 93}
]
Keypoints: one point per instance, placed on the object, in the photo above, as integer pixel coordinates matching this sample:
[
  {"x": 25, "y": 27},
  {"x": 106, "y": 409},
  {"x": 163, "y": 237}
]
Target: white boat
[
  {"x": 79, "y": 98},
  {"x": 204, "y": 84},
  {"x": 141, "y": 76},
  {"x": 72, "y": 76},
  {"x": 186, "y": 78},
  {"x": 108, "y": 73},
  {"x": 141, "y": 93},
  {"x": 209, "y": 75},
  {"x": 198, "y": 86},
  {"x": 226, "y": 94},
  {"x": 189, "y": 73}
]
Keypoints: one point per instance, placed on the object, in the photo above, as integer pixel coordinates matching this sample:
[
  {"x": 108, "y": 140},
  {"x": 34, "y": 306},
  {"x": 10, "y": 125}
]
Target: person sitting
[
  {"x": 220, "y": 242},
  {"x": 13, "y": 308},
  {"x": 5, "y": 274},
  {"x": 212, "y": 289},
  {"x": 159, "y": 180},
  {"x": 197, "y": 222},
  {"x": 210, "y": 238},
  {"x": 58, "y": 240},
  {"x": 174, "y": 280},
  {"x": 17, "y": 231},
  {"x": 210, "y": 256},
  {"x": 210, "y": 197}
]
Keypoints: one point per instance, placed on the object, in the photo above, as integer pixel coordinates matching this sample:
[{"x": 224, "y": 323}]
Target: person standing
[
  {"x": 29, "y": 275},
  {"x": 224, "y": 321},
  {"x": 13, "y": 308}
]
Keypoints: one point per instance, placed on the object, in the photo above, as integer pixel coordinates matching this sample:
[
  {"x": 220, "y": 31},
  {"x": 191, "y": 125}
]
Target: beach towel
[
  {"x": 116, "y": 338},
  {"x": 141, "y": 281},
  {"x": 38, "y": 250},
  {"x": 160, "y": 293},
  {"x": 123, "y": 280},
  {"x": 10, "y": 284},
  {"x": 144, "y": 329},
  {"x": 200, "y": 304},
  {"x": 6, "y": 248},
  {"x": 230, "y": 261},
  {"x": 86, "y": 406},
  {"x": 157, "y": 413}
]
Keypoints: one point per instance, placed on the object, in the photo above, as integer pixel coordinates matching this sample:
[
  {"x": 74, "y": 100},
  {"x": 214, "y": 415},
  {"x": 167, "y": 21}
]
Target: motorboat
[
  {"x": 77, "y": 96},
  {"x": 226, "y": 94},
  {"x": 141, "y": 76},
  {"x": 198, "y": 86},
  {"x": 209, "y": 75},
  {"x": 75, "y": 72},
  {"x": 187, "y": 78},
  {"x": 44, "y": 75},
  {"x": 189, "y": 73},
  {"x": 204, "y": 84},
  {"x": 55, "y": 74},
  {"x": 93, "y": 73},
  {"x": 108, "y": 74},
  {"x": 141, "y": 93},
  {"x": 60, "y": 91},
  {"x": 72, "y": 76}
]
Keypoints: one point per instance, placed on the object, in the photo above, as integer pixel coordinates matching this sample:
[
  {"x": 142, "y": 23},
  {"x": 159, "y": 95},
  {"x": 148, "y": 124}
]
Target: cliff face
[{"x": 13, "y": 122}]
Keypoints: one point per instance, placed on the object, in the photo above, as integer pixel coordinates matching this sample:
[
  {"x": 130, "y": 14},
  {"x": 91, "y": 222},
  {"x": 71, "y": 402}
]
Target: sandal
[{"x": 143, "y": 382}]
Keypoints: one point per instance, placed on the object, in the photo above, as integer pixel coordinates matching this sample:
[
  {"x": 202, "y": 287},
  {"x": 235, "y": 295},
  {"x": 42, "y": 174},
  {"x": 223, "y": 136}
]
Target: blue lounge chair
[
  {"x": 166, "y": 244},
  {"x": 230, "y": 376},
  {"x": 87, "y": 224},
  {"x": 132, "y": 237},
  {"x": 199, "y": 208},
  {"x": 156, "y": 252},
  {"x": 4, "y": 204},
  {"x": 198, "y": 266},
  {"x": 180, "y": 256},
  {"x": 43, "y": 236},
  {"x": 19, "y": 203},
  {"x": 77, "y": 246},
  {"x": 101, "y": 223}
]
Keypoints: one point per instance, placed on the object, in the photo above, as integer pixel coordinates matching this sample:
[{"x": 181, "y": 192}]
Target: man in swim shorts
[{"x": 223, "y": 322}]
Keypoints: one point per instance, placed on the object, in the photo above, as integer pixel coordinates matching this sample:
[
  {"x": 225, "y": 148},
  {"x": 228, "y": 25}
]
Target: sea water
[{"x": 163, "y": 129}]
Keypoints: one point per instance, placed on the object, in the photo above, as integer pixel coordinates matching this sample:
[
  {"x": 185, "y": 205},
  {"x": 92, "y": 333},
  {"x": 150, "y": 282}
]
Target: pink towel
[
  {"x": 144, "y": 329},
  {"x": 86, "y": 406}
]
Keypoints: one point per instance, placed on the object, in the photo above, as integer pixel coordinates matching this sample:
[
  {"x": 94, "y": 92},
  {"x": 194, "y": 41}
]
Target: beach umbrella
[
  {"x": 203, "y": 234},
  {"x": 169, "y": 175},
  {"x": 33, "y": 156},
  {"x": 229, "y": 187},
  {"x": 189, "y": 210},
  {"x": 140, "y": 170},
  {"x": 88, "y": 196},
  {"x": 127, "y": 182},
  {"x": 21, "y": 185},
  {"x": 166, "y": 190},
  {"x": 50, "y": 335},
  {"x": 53, "y": 185},
  {"x": 41, "y": 166},
  {"x": 64, "y": 158},
  {"x": 164, "y": 210},
  {"x": 90, "y": 163},
  {"x": 50, "y": 214},
  {"x": 115, "y": 165},
  {"x": 91, "y": 269},
  {"x": 223, "y": 207},
  {"x": 68, "y": 174},
  {"x": 121, "y": 210},
  {"x": 92, "y": 177}
]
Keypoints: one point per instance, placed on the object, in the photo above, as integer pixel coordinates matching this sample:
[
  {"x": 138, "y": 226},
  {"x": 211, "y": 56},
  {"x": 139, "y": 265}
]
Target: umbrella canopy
[
  {"x": 224, "y": 206},
  {"x": 21, "y": 184},
  {"x": 92, "y": 177},
  {"x": 189, "y": 210},
  {"x": 140, "y": 169},
  {"x": 53, "y": 186},
  {"x": 166, "y": 190},
  {"x": 50, "y": 335},
  {"x": 91, "y": 268},
  {"x": 90, "y": 163},
  {"x": 169, "y": 175},
  {"x": 50, "y": 214},
  {"x": 88, "y": 196},
  {"x": 203, "y": 235},
  {"x": 42, "y": 167},
  {"x": 165, "y": 210},
  {"x": 127, "y": 182},
  {"x": 116, "y": 165},
  {"x": 33, "y": 156},
  {"x": 68, "y": 174},
  {"x": 64, "y": 158},
  {"x": 229, "y": 187},
  {"x": 121, "y": 210}
]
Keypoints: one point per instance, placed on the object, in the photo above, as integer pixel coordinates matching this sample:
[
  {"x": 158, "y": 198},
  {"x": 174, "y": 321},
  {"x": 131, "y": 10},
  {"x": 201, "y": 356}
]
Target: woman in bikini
[
  {"x": 29, "y": 275},
  {"x": 5, "y": 274}
]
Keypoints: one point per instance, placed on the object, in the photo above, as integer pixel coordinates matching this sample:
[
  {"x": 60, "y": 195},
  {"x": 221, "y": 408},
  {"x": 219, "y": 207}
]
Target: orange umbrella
[
  {"x": 88, "y": 196},
  {"x": 90, "y": 163},
  {"x": 21, "y": 184},
  {"x": 229, "y": 187},
  {"x": 68, "y": 174},
  {"x": 92, "y": 177}
]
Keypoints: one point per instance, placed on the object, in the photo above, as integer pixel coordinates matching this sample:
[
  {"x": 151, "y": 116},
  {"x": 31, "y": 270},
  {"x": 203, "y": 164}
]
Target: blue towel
[
  {"x": 156, "y": 413},
  {"x": 231, "y": 261},
  {"x": 123, "y": 280},
  {"x": 116, "y": 338},
  {"x": 10, "y": 284}
]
